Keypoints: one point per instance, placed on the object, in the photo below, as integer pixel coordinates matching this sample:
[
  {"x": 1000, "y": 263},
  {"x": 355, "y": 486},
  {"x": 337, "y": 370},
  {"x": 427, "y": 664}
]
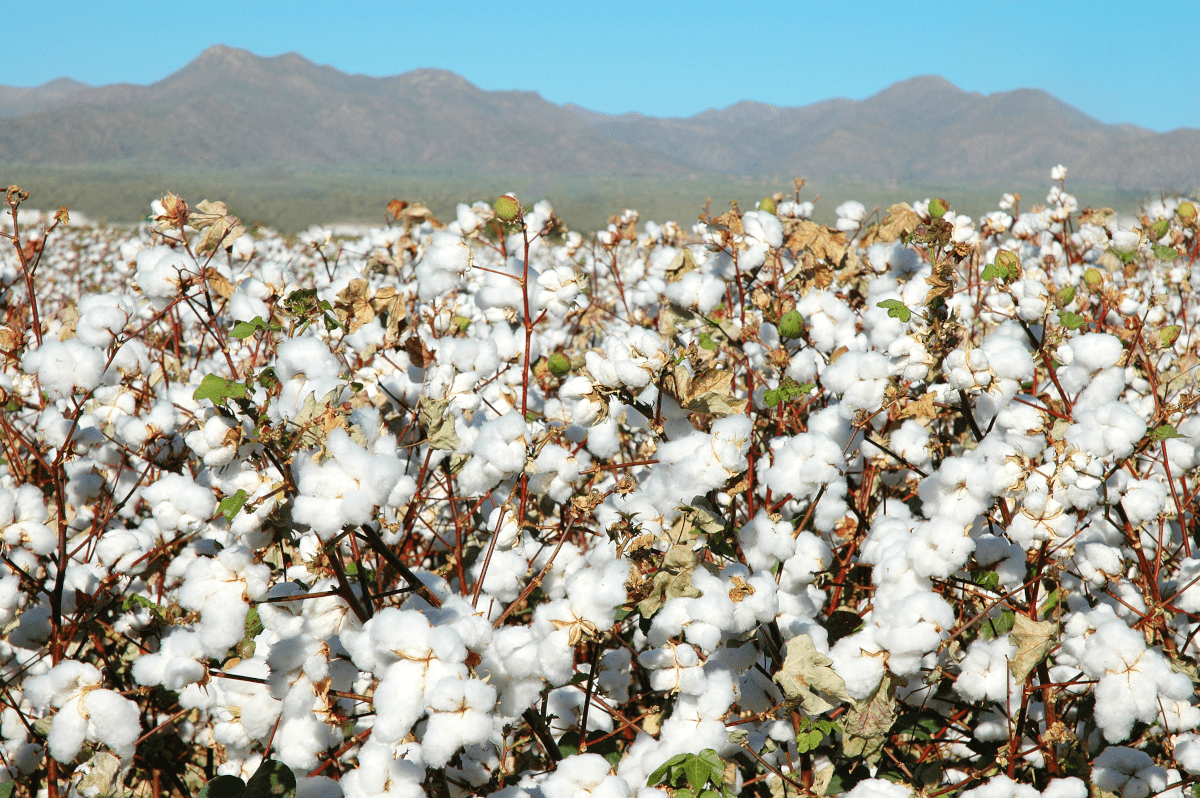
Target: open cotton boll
[
  {"x": 585, "y": 776},
  {"x": 85, "y": 711},
  {"x": 985, "y": 675},
  {"x": 557, "y": 470},
  {"x": 178, "y": 503},
  {"x": 384, "y": 772},
  {"x": 22, "y": 513},
  {"x": 175, "y": 665},
  {"x": 939, "y": 547},
  {"x": 879, "y": 788},
  {"x": 219, "y": 589},
  {"x": 307, "y": 355},
  {"x": 344, "y": 489},
  {"x": 558, "y": 289},
  {"x": 850, "y": 215},
  {"x": 764, "y": 228},
  {"x": 65, "y": 367},
  {"x": 438, "y": 271},
  {"x": 1187, "y": 752},
  {"x": 766, "y": 542},
  {"x": 1128, "y": 773},
  {"x": 499, "y": 453},
  {"x": 460, "y": 715},
  {"x": 861, "y": 378},
  {"x": 802, "y": 464},
  {"x": 159, "y": 271},
  {"x": 102, "y": 317},
  {"x": 1095, "y": 351}
]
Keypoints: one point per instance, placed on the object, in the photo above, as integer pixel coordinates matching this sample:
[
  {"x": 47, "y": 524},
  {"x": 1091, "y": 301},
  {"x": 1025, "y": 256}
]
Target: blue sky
[{"x": 1117, "y": 61}]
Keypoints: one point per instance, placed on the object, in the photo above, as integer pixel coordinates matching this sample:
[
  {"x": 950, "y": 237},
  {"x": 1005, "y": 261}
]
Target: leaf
[
  {"x": 220, "y": 229},
  {"x": 438, "y": 424},
  {"x": 1005, "y": 266},
  {"x": 697, "y": 772},
  {"x": 1167, "y": 336},
  {"x": 900, "y": 221},
  {"x": 1163, "y": 252},
  {"x": 223, "y": 787},
  {"x": 1033, "y": 640},
  {"x": 806, "y": 678},
  {"x": 218, "y": 389},
  {"x": 660, "y": 773},
  {"x": 896, "y": 309},
  {"x": 787, "y": 391},
  {"x": 1072, "y": 321},
  {"x": 707, "y": 342},
  {"x": 681, "y": 264},
  {"x": 1164, "y": 432},
  {"x": 865, "y": 727},
  {"x": 244, "y": 329},
  {"x": 232, "y": 505},
  {"x": 920, "y": 408},
  {"x": 823, "y": 242},
  {"x": 273, "y": 779}
]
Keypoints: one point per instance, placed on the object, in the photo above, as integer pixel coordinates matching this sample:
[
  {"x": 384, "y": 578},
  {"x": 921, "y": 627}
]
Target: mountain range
[{"x": 231, "y": 108}]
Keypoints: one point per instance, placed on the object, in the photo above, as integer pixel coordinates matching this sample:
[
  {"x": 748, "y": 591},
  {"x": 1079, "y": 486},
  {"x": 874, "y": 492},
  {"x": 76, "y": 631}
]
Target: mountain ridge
[{"x": 230, "y": 107}]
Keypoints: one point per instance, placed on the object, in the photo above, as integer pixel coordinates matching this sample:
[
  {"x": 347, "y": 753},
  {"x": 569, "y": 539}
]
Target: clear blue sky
[{"x": 1117, "y": 61}]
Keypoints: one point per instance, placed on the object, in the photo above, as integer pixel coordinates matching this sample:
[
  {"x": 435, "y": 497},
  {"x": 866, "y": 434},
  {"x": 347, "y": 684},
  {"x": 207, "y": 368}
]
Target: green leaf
[
  {"x": 1072, "y": 321},
  {"x": 218, "y": 389},
  {"x": 993, "y": 628},
  {"x": 230, "y": 506},
  {"x": 224, "y": 787},
  {"x": 660, "y": 773},
  {"x": 1005, "y": 266},
  {"x": 1163, "y": 252},
  {"x": 1164, "y": 432},
  {"x": 697, "y": 772},
  {"x": 706, "y": 342},
  {"x": 244, "y": 329},
  {"x": 273, "y": 779},
  {"x": 787, "y": 391},
  {"x": 896, "y": 309},
  {"x": 6, "y": 789},
  {"x": 988, "y": 580},
  {"x": 133, "y": 599}
]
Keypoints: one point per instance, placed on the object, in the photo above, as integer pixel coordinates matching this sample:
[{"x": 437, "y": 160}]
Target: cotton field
[{"x": 748, "y": 506}]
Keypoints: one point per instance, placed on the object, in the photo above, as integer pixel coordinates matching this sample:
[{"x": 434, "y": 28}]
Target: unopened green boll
[
  {"x": 938, "y": 207},
  {"x": 560, "y": 365},
  {"x": 767, "y": 205},
  {"x": 508, "y": 208},
  {"x": 791, "y": 325}
]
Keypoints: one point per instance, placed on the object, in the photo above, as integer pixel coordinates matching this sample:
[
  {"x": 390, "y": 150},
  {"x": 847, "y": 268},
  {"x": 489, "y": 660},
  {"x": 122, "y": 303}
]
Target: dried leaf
[
  {"x": 217, "y": 283},
  {"x": 900, "y": 221},
  {"x": 418, "y": 353},
  {"x": 920, "y": 408},
  {"x": 681, "y": 264},
  {"x": 220, "y": 229},
  {"x": 807, "y": 679},
  {"x": 866, "y": 725},
  {"x": 674, "y": 579},
  {"x": 438, "y": 424},
  {"x": 1033, "y": 640},
  {"x": 823, "y": 242}
]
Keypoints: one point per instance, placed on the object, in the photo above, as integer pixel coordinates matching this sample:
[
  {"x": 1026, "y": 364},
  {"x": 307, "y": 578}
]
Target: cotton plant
[{"x": 429, "y": 502}]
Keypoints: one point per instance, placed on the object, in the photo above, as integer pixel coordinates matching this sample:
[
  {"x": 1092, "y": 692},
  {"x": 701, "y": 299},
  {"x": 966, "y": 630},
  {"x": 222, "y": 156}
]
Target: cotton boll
[
  {"x": 101, "y": 318},
  {"x": 468, "y": 220},
  {"x": 86, "y": 711},
  {"x": 1144, "y": 499},
  {"x": 766, "y": 542},
  {"x": 850, "y": 215},
  {"x": 1128, "y": 772},
  {"x": 460, "y": 714},
  {"x": 585, "y": 776},
  {"x": 879, "y": 788},
  {"x": 802, "y": 464},
  {"x": 1096, "y": 351},
  {"x": 939, "y": 547},
  {"x": 345, "y": 489},
  {"x": 1187, "y": 752},
  {"x": 985, "y": 675},
  {"x": 178, "y": 503},
  {"x": 499, "y": 453},
  {"x": 306, "y": 355},
  {"x": 65, "y": 367},
  {"x": 383, "y": 772},
  {"x": 558, "y": 289},
  {"x": 160, "y": 271}
]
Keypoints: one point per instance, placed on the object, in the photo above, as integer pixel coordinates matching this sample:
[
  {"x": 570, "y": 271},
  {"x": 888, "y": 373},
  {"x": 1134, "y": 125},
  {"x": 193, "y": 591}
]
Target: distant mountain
[{"x": 231, "y": 108}]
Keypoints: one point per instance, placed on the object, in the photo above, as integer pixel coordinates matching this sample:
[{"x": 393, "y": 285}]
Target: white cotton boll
[
  {"x": 439, "y": 270},
  {"x": 1187, "y": 585},
  {"x": 101, "y": 318},
  {"x": 861, "y": 378},
  {"x": 802, "y": 464},
  {"x": 1125, "y": 232},
  {"x": 65, "y": 367},
  {"x": 1110, "y": 431},
  {"x": 1095, "y": 351},
  {"x": 967, "y": 369},
  {"x": 985, "y": 675},
  {"x": 468, "y": 220},
  {"x": 73, "y": 687},
  {"x": 307, "y": 355},
  {"x": 499, "y": 453},
  {"x": 178, "y": 503},
  {"x": 558, "y": 289},
  {"x": 159, "y": 271},
  {"x": 1069, "y": 787},
  {"x": 850, "y": 215},
  {"x": 1002, "y": 787},
  {"x": 1144, "y": 499},
  {"x": 175, "y": 665},
  {"x": 22, "y": 513},
  {"x": 911, "y": 442},
  {"x": 879, "y": 788},
  {"x": 247, "y": 302},
  {"x": 939, "y": 547},
  {"x": 460, "y": 714},
  {"x": 766, "y": 542},
  {"x": 1127, "y": 772},
  {"x": 860, "y": 661},
  {"x": 557, "y": 470},
  {"x": 384, "y": 772},
  {"x": 345, "y": 489},
  {"x": 1187, "y": 752},
  {"x": 764, "y": 227},
  {"x": 585, "y": 776}
]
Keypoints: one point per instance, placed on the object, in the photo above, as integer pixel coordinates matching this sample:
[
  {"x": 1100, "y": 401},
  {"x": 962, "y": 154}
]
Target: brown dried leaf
[
  {"x": 217, "y": 283},
  {"x": 823, "y": 242},
  {"x": 682, "y": 263},
  {"x": 1033, "y": 640},
  {"x": 418, "y": 353},
  {"x": 220, "y": 229},
  {"x": 920, "y": 408},
  {"x": 438, "y": 424},
  {"x": 807, "y": 679}
]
